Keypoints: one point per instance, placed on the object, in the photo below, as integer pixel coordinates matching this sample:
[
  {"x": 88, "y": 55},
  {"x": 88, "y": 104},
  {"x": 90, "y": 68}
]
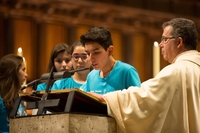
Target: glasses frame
[
  {"x": 79, "y": 56},
  {"x": 166, "y": 39}
]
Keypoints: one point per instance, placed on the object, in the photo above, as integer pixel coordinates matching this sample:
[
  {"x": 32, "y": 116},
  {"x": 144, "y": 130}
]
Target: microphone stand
[
  {"x": 53, "y": 102},
  {"x": 18, "y": 99},
  {"x": 44, "y": 102},
  {"x": 33, "y": 83}
]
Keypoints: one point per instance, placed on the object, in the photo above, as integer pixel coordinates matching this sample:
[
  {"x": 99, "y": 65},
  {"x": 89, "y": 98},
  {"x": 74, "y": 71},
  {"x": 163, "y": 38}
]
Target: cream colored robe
[{"x": 168, "y": 103}]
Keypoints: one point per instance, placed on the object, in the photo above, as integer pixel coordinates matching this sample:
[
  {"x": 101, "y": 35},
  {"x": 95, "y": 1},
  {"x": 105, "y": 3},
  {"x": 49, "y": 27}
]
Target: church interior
[{"x": 36, "y": 26}]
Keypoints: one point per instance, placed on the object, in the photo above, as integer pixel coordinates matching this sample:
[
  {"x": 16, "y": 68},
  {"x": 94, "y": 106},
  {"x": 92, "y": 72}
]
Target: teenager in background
[
  {"x": 61, "y": 60},
  {"x": 79, "y": 60}
]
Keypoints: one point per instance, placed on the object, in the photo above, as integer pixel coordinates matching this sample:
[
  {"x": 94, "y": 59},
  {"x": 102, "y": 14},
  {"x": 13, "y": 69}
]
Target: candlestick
[
  {"x": 156, "y": 59},
  {"x": 20, "y": 53}
]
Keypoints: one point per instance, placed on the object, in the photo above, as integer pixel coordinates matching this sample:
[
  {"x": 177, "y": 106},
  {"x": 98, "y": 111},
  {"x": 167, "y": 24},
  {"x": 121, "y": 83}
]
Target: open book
[{"x": 66, "y": 101}]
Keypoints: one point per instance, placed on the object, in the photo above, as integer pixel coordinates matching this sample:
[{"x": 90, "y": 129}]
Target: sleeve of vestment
[{"x": 135, "y": 109}]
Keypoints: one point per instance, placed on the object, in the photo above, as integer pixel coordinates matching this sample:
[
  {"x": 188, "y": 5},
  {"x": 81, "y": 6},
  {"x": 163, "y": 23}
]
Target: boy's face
[{"x": 97, "y": 55}]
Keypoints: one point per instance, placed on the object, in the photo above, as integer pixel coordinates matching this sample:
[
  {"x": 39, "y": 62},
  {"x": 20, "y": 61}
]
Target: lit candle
[
  {"x": 20, "y": 53},
  {"x": 156, "y": 59}
]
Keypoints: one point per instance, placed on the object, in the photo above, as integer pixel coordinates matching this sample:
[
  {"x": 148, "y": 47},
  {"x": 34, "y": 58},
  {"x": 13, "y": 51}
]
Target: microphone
[
  {"x": 29, "y": 84},
  {"x": 63, "y": 74},
  {"x": 77, "y": 70},
  {"x": 55, "y": 76}
]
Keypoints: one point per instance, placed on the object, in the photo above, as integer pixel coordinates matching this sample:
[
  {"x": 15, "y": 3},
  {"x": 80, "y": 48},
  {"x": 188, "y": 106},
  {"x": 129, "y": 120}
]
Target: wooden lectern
[
  {"x": 73, "y": 111},
  {"x": 62, "y": 101}
]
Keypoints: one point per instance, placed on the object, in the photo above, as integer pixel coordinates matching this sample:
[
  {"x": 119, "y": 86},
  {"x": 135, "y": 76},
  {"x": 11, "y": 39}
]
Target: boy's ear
[{"x": 111, "y": 50}]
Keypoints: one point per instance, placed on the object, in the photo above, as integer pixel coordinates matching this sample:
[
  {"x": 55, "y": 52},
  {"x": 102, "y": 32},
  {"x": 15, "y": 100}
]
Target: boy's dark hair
[{"x": 97, "y": 34}]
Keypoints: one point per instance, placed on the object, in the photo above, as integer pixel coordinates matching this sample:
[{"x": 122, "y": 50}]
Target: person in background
[
  {"x": 12, "y": 76},
  {"x": 79, "y": 60},
  {"x": 108, "y": 74},
  {"x": 61, "y": 60},
  {"x": 170, "y": 102}
]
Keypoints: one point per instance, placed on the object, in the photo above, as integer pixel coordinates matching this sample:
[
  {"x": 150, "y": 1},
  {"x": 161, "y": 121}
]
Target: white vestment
[{"x": 168, "y": 103}]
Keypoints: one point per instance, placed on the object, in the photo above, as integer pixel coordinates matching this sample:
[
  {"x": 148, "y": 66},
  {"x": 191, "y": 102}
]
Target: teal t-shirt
[
  {"x": 42, "y": 86},
  {"x": 4, "y": 123},
  {"x": 120, "y": 77},
  {"x": 66, "y": 83}
]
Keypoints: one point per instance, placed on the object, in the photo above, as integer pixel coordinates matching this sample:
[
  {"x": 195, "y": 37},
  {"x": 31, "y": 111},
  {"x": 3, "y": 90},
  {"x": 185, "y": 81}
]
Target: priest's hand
[{"x": 98, "y": 96}]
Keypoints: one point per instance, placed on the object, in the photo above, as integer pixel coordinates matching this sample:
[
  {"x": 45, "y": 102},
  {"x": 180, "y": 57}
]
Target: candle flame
[
  {"x": 156, "y": 44},
  {"x": 19, "y": 50}
]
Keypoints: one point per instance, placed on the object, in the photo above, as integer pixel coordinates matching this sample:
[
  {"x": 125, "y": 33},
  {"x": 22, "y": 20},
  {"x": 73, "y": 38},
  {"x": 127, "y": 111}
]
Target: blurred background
[{"x": 31, "y": 28}]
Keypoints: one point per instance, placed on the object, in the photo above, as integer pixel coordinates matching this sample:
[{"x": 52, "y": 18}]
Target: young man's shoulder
[{"x": 125, "y": 65}]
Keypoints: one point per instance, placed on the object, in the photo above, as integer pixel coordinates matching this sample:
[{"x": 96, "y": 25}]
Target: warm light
[
  {"x": 156, "y": 59},
  {"x": 156, "y": 44},
  {"x": 19, "y": 51}
]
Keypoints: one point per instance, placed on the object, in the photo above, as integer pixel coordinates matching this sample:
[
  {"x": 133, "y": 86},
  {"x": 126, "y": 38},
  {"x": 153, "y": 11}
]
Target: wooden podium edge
[
  {"x": 65, "y": 90},
  {"x": 34, "y": 99}
]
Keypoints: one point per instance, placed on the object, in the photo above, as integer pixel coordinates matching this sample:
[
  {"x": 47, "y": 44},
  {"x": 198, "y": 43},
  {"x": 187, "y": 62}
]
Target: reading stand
[
  {"x": 62, "y": 101},
  {"x": 73, "y": 111}
]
